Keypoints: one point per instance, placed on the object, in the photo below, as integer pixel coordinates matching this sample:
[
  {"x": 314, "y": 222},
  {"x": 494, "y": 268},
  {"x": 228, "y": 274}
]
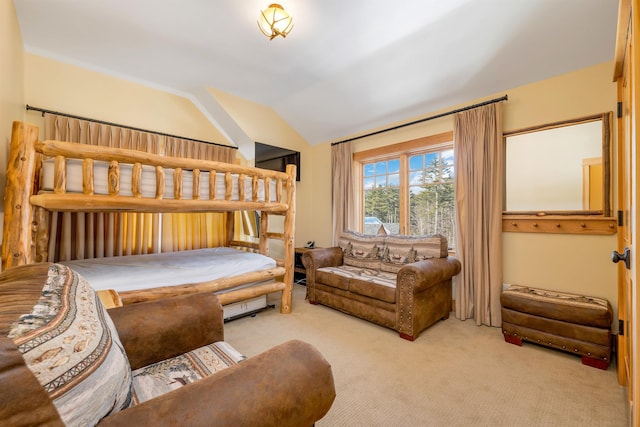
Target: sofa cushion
[
  {"x": 380, "y": 287},
  {"x": 401, "y": 250},
  {"x": 70, "y": 344},
  {"x": 162, "y": 377},
  {"x": 360, "y": 250},
  {"x": 566, "y": 307},
  {"x": 338, "y": 276},
  {"x": 370, "y": 283}
]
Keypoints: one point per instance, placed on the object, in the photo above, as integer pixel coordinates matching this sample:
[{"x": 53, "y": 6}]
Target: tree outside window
[
  {"x": 382, "y": 196},
  {"x": 426, "y": 178},
  {"x": 431, "y": 195}
]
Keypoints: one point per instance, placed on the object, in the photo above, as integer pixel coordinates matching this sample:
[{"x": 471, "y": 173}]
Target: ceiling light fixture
[{"x": 274, "y": 22}]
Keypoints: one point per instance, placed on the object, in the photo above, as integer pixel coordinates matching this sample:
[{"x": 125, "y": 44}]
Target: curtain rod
[
  {"x": 448, "y": 113},
  {"x": 43, "y": 111}
]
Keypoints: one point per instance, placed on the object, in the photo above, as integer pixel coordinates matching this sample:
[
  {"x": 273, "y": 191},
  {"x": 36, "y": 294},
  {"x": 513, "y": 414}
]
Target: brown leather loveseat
[
  {"x": 65, "y": 360},
  {"x": 401, "y": 282}
]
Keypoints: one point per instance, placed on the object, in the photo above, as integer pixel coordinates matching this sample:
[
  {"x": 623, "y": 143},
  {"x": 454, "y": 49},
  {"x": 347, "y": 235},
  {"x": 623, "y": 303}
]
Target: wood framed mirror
[{"x": 561, "y": 172}]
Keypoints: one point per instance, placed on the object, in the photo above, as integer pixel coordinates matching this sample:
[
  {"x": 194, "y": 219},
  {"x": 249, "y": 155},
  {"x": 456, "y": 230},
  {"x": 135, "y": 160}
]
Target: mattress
[
  {"x": 137, "y": 272},
  {"x": 148, "y": 181}
]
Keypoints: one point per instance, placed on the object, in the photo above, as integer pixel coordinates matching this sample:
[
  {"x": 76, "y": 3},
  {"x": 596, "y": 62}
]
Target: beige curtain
[
  {"x": 479, "y": 164},
  {"x": 79, "y": 235},
  {"x": 87, "y": 235},
  {"x": 342, "y": 197},
  {"x": 85, "y": 132},
  {"x": 186, "y": 148}
]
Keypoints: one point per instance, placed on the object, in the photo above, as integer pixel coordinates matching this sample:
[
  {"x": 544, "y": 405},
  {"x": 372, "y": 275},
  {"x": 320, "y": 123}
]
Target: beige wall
[
  {"x": 561, "y": 262},
  {"x": 54, "y": 85},
  {"x": 263, "y": 124},
  {"x": 12, "y": 97}
]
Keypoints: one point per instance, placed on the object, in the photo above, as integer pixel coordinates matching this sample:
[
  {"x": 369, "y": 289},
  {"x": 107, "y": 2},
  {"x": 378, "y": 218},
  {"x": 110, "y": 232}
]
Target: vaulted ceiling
[{"x": 346, "y": 68}]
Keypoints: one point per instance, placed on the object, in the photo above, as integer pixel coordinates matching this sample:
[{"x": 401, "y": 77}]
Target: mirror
[{"x": 560, "y": 168}]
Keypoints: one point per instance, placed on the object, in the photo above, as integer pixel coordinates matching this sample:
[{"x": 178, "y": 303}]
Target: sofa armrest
[
  {"x": 23, "y": 400},
  {"x": 158, "y": 330},
  {"x": 323, "y": 257},
  {"x": 288, "y": 385},
  {"x": 318, "y": 258},
  {"x": 422, "y": 275},
  {"x": 423, "y": 294}
]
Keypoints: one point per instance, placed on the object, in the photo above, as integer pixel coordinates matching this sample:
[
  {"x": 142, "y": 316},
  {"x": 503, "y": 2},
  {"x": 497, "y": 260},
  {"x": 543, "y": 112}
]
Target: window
[
  {"x": 431, "y": 198},
  {"x": 408, "y": 188},
  {"x": 382, "y": 196}
]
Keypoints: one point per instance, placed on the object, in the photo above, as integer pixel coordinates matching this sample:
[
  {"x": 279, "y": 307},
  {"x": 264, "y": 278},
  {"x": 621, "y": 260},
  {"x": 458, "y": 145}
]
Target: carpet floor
[{"x": 454, "y": 374}]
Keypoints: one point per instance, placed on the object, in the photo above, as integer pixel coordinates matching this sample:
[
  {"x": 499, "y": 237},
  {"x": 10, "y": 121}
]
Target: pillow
[
  {"x": 71, "y": 345},
  {"x": 401, "y": 250},
  {"x": 167, "y": 375},
  {"x": 360, "y": 250}
]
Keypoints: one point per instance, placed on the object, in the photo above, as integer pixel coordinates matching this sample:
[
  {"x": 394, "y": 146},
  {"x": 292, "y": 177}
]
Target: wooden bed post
[
  {"x": 289, "y": 233},
  {"x": 17, "y": 239}
]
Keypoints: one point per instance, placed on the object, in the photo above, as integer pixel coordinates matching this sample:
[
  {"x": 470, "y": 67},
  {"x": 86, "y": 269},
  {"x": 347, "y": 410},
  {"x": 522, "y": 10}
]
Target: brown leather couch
[
  {"x": 401, "y": 282},
  {"x": 289, "y": 385}
]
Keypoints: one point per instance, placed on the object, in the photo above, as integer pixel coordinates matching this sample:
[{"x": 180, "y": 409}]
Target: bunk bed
[{"x": 48, "y": 177}]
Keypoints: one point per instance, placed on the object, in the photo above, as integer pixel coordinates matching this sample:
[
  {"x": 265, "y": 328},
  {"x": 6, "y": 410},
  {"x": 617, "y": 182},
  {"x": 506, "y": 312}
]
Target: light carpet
[{"x": 454, "y": 374}]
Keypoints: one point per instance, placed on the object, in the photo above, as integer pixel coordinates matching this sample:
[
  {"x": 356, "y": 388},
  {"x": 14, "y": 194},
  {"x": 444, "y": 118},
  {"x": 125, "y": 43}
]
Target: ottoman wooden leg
[
  {"x": 406, "y": 336},
  {"x": 513, "y": 340},
  {"x": 595, "y": 363}
]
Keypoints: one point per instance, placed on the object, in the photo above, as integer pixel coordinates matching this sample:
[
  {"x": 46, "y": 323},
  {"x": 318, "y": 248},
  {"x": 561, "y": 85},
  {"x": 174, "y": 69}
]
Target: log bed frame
[{"x": 26, "y": 229}]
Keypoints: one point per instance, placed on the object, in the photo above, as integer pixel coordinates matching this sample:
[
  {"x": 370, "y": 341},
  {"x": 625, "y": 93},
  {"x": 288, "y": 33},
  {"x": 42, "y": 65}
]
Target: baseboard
[{"x": 614, "y": 344}]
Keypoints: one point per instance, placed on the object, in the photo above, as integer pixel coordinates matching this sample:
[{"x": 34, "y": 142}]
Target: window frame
[{"x": 403, "y": 150}]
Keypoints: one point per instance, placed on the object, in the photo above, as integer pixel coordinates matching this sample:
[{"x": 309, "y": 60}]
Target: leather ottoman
[{"x": 569, "y": 322}]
